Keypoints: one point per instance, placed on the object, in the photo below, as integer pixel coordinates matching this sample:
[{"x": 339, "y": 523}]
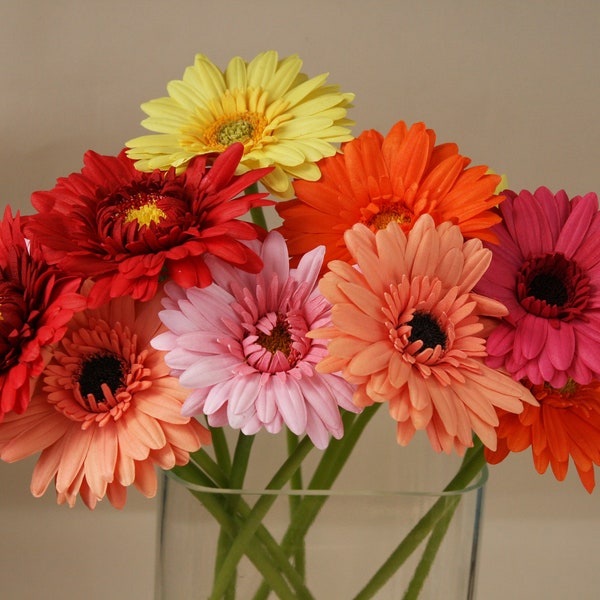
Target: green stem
[
  {"x": 294, "y": 501},
  {"x": 473, "y": 463},
  {"x": 241, "y": 544},
  {"x": 221, "y": 448}
]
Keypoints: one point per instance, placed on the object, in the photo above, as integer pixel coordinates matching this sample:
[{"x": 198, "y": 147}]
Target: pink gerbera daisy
[
  {"x": 105, "y": 410},
  {"x": 408, "y": 330},
  {"x": 546, "y": 271},
  {"x": 126, "y": 229},
  {"x": 36, "y": 302},
  {"x": 242, "y": 344}
]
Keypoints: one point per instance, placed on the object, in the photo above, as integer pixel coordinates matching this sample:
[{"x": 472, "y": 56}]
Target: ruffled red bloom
[
  {"x": 565, "y": 425},
  {"x": 125, "y": 229},
  {"x": 36, "y": 302}
]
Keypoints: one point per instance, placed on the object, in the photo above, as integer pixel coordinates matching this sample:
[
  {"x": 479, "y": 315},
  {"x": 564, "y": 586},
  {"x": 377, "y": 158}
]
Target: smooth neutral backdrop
[{"x": 514, "y": 83}]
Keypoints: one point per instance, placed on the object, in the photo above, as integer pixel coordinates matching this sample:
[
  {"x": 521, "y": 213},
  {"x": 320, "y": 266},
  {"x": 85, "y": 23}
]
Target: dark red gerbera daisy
[
  {"x": 125, "y": 228},
  {"x": 36, "y": 302}
]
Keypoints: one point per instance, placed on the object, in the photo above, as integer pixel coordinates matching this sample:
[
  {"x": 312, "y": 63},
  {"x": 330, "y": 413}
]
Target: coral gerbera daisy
[
  {"x": 379, "y": 179},
  {"x": 104, "y": 411},
  {"x": 546, "y": 271},
  {"x": 283, "y": 118},
  {"x": 127, "y": 229},
  {"x": 407, "y": 330},
  {"x": 565, "y": 425},
  {"x": 242, "y": 344},
  {"x": 36, "y": 302}
]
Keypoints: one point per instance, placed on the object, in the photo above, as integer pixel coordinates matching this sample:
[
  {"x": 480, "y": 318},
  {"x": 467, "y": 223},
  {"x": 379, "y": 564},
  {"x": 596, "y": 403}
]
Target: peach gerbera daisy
[
  {"x": 105, "y": 410},
  {"x": 379, "y": 179},
  {"x": 565, "y": 425},
  {"x": 283, "y": 118},
  {"x": 407, "y": 330}
]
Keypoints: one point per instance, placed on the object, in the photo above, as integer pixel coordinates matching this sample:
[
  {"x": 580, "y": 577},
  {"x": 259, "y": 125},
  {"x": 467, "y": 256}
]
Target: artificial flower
[
  {"x": 546, "y": 271},
  {"x": 36, "y": 302},
  {"x": 407, "y": 330},
  {"x": 105, "y": 410},
  {"x": 283, "y": 119},
  {"x": 565, "y": 425},
  {"x": 242, "y": 344},
  {"x": 379, "y": 179},
  {"x": 127, "y": 229}
]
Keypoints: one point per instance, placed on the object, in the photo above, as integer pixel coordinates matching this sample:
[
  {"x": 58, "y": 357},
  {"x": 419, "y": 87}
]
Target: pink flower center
[{"x": 552, "y": 286}]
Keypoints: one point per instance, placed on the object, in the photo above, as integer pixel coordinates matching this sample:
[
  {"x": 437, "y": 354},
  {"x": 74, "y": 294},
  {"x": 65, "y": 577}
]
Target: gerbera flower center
[
  {"x": 382, "y": 216},
  {"x": 241, "y": 127},
  {"x": 277, "y": 340},
  {"x": 425, "y": 328},
  {"x": 98, "y": 370},
  {"x": 144, "y": 210},
  {"x": 552, "y": 286}
]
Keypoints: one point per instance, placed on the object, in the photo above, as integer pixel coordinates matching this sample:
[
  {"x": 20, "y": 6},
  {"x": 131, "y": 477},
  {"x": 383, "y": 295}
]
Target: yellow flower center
[
  {"x": 241, "y": 127},
  {"x": 146, "y": 213}
]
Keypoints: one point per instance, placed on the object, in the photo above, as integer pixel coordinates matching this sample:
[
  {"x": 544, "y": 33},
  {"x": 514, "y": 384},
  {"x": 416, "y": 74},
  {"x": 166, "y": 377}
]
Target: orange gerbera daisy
[
  {"x": 105, "y": 411},
  {"x": 566, "y": 424},
  {"x": 397, "y": 178},
  {"x": 408, "y": 331}
]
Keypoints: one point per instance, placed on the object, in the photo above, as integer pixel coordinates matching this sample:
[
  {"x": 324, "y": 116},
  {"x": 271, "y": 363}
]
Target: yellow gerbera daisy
[{"x": 283, "y": 118}]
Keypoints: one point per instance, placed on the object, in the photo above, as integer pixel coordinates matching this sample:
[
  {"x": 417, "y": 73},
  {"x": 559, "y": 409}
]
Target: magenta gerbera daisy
[
  {"x": 242, "y": 344},
  {"x": 36, "y": 302},
  {"x": 126, "y": 229},
  {"x": 546, "y": 270}
]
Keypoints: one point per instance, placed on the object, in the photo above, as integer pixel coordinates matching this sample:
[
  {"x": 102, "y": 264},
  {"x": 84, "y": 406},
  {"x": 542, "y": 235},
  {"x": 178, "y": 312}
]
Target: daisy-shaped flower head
[
  {"x": 565, "y": 425},
  {"x": 283, "y": 118},
  {"x": 242, "y": 345},
  {"x": 105, "y": 410},
  {"x": 127, "y": 229},
  {"x": 407, "y": 330},
  {"x": 546, "y": 271},
  {"x": 36, "y": 302},
  {"x": 379, "y": 179}
]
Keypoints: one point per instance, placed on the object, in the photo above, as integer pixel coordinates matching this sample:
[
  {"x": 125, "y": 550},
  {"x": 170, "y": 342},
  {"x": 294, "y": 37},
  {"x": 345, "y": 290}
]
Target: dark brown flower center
[
  {"x": 278, "y": 339},
  {"x": 99, "y": 369},
  {"x": 425, "y": 327},
  {"x": 553, "y": 286}
]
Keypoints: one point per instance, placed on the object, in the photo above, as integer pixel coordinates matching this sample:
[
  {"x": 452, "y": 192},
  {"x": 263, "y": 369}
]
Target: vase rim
[{"x": 478, "y": 483}]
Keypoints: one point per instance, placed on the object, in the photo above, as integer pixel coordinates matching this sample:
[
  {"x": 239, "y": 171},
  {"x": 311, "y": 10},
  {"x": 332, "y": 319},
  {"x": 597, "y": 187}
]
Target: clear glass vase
[{"x": 391, "y": 542}]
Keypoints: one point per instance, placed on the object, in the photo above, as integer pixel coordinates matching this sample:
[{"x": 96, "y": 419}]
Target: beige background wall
[{"x": 515, "y": 83}]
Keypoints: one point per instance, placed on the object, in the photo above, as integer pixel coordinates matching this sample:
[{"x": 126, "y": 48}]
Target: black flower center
[
  {"x": 549, "y": 288},
  {"x": 553, "y": 286},
  {"x": 425, "y": 327},
  {"x": 12, "y": 317},
  {"x": 99, "y": 369}
]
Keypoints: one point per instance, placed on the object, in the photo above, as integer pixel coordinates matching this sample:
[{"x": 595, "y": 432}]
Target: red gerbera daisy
[
  {"x": 36, "y": 302},
  {"x": 123, "y": 227},
  {"x": 565, "y": 425}
]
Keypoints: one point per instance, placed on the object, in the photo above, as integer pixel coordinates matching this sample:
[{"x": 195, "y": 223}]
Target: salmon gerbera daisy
[
  {"x": 407, "y": 330},
  {"x": 126, "y": 229},
  {"x": 546, "y": 271},
  {"x": 242, "y": 344},
  {"x": 36, "y": 302},
  {"x": 105, "y": 410},
  {"x": 283, "y": 118},
  {"x": 565, "y": 425},
  {"x": 379, "y": 179}
]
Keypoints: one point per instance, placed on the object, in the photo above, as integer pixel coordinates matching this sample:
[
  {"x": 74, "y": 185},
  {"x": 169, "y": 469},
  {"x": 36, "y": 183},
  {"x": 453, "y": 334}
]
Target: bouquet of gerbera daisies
[{"x": 146, "y": 308}]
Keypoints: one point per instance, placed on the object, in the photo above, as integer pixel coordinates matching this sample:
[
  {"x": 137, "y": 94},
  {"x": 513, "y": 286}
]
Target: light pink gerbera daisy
[
  {"x": 105, "y": 410},
  {"x": 242, "y": 344},
  {"x": 408, "y": 330},
  {"x": 546, "y": 271}
]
